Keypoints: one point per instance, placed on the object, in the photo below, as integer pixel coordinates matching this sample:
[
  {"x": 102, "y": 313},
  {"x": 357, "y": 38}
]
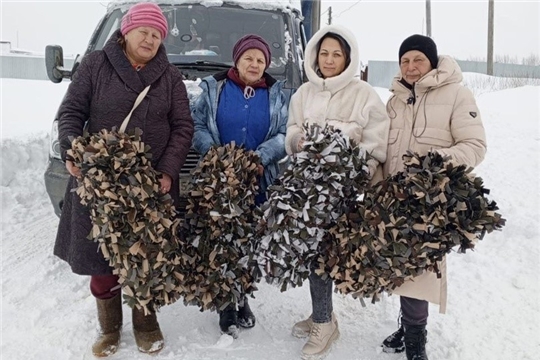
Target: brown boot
[
  {"x": 110, "y": 325},
  {"x": 147, "y": 333}
]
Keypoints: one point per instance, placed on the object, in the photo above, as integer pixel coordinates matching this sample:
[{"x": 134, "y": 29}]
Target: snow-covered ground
[{"x": 494, "y": 292}]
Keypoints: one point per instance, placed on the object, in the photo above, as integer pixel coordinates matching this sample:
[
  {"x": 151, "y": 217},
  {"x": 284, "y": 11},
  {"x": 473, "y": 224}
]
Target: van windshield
[{"x": 198, "y": 33}]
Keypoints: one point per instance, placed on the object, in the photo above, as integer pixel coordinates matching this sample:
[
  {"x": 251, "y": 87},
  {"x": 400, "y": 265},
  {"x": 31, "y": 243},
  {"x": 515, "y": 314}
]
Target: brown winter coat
[
  {"x": 102, "y": 92},
  {"x": 445, "y": 118}
]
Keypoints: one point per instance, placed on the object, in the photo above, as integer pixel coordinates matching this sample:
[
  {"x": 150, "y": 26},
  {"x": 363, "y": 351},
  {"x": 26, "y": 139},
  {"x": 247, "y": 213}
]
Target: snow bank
[
  {"x": 481, "y": 83},
  {"x": 22, "y": 188}
]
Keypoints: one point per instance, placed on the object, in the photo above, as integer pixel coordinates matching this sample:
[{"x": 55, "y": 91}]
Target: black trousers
[{"x": 413, "y": 311}]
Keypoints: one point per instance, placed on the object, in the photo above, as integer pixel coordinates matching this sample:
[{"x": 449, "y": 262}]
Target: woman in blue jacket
[{"x": 246, "y": 105}]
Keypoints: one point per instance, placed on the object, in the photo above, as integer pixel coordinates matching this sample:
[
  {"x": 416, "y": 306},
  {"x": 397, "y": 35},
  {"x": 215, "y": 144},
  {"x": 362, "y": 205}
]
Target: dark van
[{"x": 199, "y": 43}]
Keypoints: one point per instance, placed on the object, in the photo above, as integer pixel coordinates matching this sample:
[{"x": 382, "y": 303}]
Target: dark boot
[
  {"x": 228, "y": 321},
  {"x": 415, "y": 342},
  {"x": 110, "y": 325},
  {"x": 395, "y": 343},
  {"x": 147, "y": 333},
  {"x": 246, "y": 319}
]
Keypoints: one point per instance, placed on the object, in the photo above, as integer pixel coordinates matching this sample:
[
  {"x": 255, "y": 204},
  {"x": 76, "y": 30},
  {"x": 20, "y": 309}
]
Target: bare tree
[{"x": 532, "y": 59}]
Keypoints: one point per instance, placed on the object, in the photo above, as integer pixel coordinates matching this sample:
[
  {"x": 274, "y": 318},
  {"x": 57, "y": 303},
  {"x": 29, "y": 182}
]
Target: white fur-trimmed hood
[{"x": 336, "y": 83}]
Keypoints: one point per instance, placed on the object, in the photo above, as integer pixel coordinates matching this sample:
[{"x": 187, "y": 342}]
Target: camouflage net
[
  {"x": 406, "y": 224},
  {"x": 133, "y": 222},
  {"x": 312, "y": 194},
  {"x": 218, "y": 230}
]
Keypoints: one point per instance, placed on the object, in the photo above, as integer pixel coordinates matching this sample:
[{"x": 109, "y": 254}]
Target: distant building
[
  {"x": 6, "y": 49},
  {"x": 25, "y": 64},
  {"x": 5, "y": 46}
]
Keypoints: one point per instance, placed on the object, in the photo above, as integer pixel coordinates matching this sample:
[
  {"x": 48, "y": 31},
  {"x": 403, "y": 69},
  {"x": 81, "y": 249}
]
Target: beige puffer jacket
[{"x": 445, "y": 118}]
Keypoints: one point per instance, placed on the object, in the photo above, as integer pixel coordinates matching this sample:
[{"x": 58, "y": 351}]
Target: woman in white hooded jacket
[{"x": 333, "y": 95}]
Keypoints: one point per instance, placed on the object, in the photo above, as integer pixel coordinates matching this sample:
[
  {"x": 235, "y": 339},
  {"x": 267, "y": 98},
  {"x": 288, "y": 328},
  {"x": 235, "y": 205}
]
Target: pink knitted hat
[{"x": 144, "y": 14}]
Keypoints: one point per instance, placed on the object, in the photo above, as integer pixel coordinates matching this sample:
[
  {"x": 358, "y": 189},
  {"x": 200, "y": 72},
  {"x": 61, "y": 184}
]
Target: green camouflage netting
[
  {"x": 317, "y": 188},
  {"x": 218, "y": 230}
]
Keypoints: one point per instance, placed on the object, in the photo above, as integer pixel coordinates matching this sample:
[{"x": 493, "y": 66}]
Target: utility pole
[
  {"x": 330, "y": 15},
  {"x": 428, "y": 18},
  {"x": 491, "y": 11}
]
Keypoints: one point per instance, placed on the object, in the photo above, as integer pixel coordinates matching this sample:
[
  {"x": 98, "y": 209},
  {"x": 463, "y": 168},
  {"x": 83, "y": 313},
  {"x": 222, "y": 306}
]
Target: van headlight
[{"x": 54, "y": 150}]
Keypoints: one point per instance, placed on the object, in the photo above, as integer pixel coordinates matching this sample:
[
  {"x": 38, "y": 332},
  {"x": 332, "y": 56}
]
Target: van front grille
[{"x": 191, "y": 162}]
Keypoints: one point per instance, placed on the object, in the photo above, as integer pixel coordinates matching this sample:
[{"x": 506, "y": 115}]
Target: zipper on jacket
[
  {"x": 410, "y": 119},
  {"x": 412, "y": 97}
]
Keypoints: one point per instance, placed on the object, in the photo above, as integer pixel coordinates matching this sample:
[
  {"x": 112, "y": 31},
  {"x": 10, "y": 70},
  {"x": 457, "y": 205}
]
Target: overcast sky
[{"x": 458, "y": 27}]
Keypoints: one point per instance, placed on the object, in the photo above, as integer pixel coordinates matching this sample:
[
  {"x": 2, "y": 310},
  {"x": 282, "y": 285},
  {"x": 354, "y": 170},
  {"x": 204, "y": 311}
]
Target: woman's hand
[
  {"x": 372, "y": 167},
  {"x": 72, "y": 169},
  {"x": 300, "y": 145},
  {"x": 260, "y": 169},
  {"x": 165, "y": 184}
]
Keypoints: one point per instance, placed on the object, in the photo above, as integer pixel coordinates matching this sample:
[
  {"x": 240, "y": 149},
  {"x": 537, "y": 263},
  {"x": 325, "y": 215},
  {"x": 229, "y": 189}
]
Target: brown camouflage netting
[
  {"x": 406, "y": 224},
  {"x": 133, "y": 222}
]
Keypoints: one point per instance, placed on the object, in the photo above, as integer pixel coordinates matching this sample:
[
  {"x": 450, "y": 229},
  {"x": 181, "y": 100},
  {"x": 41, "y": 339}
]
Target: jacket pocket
[
  {"x": 428, "y": 139},
  {"x": 393, "y": 136},
  {"x": 392, "y": 154}
]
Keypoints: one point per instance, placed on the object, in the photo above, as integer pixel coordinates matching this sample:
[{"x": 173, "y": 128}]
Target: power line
[{"x": 349, "y": 8}]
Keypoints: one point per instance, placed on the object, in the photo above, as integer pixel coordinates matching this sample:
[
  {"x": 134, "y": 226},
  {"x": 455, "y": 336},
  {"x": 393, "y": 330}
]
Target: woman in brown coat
[
  {"x": 102, "y": 93},
  {"x": 429, "y": 110}
]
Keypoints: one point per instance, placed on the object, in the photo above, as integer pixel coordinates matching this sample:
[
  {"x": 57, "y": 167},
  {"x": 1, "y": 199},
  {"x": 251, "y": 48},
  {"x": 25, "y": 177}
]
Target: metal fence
[
  {"x": 381, "y": 73},
  {"x": 26, "y": 67}
]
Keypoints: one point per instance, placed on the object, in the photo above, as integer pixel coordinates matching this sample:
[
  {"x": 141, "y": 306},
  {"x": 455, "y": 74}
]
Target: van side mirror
[{"x": 54, "y": 62}]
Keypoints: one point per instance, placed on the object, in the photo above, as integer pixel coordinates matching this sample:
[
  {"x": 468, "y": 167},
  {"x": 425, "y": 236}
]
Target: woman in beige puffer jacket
[
  {"x": 444, "y": 117},
  {"x": 430, "y": 110}
]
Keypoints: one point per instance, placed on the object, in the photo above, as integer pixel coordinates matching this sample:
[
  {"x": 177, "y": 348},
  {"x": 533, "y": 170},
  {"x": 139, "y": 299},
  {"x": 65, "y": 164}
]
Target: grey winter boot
[
  {"x": 415, "y": 342},
  {"x": 147, "y": 333},
  {"x": 110, "y": 324}
]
